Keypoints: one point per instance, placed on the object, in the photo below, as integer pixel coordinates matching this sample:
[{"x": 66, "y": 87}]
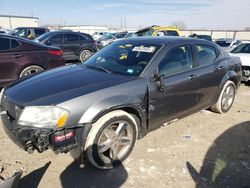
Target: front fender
[{"x": 96, "y": 110}]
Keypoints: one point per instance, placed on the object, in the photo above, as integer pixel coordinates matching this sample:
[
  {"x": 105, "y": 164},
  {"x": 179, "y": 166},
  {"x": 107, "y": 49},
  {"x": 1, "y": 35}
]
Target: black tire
[
  {"x": 226, "y": 98},
  {"x": 85, "y": 54},
  {"x": 122, "y": 132},
  {"x": 30, "y": 70}
]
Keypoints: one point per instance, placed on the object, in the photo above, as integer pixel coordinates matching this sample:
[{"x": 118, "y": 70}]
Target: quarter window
[
  {"x": 177, "y": 60},
  {"x": 4, "y": 44},
  {"x": 82, "y": 38},
  {"x": 205, "y": 55}
]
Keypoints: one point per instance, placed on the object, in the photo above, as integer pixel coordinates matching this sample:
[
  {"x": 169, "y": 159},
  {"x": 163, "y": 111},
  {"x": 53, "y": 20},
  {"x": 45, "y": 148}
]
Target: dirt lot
[{"x": 202, "y": 150}]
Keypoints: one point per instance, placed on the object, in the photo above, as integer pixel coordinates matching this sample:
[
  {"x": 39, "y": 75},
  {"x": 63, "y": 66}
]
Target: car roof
[
  {"x": 20, "y": 39},
  {"x": 163, "y": 40},
  {"x": 30, "y": 28}
]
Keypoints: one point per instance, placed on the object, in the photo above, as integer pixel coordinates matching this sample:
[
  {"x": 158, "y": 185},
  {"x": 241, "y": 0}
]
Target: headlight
[{"x": 43, "y": 116}]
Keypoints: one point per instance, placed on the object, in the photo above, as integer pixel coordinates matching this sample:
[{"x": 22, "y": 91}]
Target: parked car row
[
  {"x": 75, "y": 45},
  {"x": 20, "y": 57}
]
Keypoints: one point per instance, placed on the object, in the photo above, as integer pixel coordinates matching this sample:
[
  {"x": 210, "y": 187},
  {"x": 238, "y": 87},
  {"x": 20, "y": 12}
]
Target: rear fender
[{"x": 230, "y": 75}]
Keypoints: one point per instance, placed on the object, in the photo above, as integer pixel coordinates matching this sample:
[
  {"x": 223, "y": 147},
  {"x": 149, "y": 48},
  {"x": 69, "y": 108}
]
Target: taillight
[{"x": 55, "y": 52}]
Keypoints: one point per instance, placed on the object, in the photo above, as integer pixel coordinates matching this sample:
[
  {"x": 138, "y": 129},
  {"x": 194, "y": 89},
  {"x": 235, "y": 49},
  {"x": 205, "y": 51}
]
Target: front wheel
[
  {"x": 226, "y": 98},
  {"x": 111, "y": 139}
]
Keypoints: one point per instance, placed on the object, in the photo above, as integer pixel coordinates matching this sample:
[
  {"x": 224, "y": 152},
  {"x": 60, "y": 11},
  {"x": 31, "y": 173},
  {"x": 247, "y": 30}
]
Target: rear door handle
[
  {"x": 17, "y": 55},
  {"x": 191, "y": 77}
]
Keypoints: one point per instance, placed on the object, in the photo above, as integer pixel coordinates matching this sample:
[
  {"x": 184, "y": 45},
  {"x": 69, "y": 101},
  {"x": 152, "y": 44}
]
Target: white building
[{"x": 11, "y": 22}]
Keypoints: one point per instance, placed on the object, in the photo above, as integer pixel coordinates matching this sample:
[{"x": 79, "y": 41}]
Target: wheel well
[
  {"x": 138, "y": 119},
  {"x": 86, "y": 49},
  {"x": 234, "y": 80}
]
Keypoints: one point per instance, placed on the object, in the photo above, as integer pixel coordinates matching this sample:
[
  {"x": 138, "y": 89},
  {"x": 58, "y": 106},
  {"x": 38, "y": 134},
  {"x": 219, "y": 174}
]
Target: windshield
[
  {"x": 107, "y": 36},
  {"x": 146, "y": 32},
  {"x": 126, "y": 58},
  {"x": 242, "y": 48}
]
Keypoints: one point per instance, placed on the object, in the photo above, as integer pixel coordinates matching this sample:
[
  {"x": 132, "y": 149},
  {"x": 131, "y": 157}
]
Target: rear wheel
[
  {"x": 226, "y": 98},
  {"x": 111, "y": 139},
  {"x": 30, "y": 70},
  {"x": 85, "y": 54}
]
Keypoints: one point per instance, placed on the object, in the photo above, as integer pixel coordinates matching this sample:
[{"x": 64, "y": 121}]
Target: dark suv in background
[
  {"x": 75, "y": 45},
  {"x": 20, "y": 57},
  {"x": 29, "y": 32}
]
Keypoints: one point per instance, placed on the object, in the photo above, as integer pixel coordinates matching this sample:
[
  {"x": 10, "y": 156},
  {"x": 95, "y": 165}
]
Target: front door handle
[
  {"x": 17, "y": 55},
  {"x": 220, "y": 68},
  {"x": 191, "y": 77}
]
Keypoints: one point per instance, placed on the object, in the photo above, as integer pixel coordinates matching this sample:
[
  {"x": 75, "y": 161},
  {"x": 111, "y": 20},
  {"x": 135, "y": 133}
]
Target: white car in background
[
  {"x": 243, "y": 51},
  {"x": 98, "y": 35}
]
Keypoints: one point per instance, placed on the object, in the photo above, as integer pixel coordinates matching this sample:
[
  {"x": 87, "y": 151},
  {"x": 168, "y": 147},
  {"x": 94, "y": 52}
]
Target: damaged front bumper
[{"x": 31, "y": 138}]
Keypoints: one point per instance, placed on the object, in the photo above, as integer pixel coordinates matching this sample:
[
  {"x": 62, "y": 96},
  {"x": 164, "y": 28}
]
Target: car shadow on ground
[
  {"x": 227, "y": 162},
  {"x": 33, "y": 179},
  {"x": 89, "y": 176}
]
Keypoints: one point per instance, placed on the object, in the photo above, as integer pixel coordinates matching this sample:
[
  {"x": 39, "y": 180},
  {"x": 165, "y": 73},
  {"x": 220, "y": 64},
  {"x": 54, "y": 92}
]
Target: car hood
[
  {"x": 61, "y": 84},
  {"x": 245, "y": 58}
]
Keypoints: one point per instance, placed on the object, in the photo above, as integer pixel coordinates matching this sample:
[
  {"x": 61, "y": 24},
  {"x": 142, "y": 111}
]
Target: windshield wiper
[{"x": 103, "y": 69}]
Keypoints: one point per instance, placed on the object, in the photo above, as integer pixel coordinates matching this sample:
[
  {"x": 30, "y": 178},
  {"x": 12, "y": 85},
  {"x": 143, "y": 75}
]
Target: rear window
[
  {"x": 242, "y": 48},
  {"x": 223, "y": 43},
  {"x": 39, "y": 32},
  {"x": 5, "y": 44},
  {"x": 205, "y": 55},
  {"x": 167, "y": 33}
]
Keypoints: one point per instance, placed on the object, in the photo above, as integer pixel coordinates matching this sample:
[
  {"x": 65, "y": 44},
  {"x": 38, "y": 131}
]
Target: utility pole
[{"x": 121, "y": 22}]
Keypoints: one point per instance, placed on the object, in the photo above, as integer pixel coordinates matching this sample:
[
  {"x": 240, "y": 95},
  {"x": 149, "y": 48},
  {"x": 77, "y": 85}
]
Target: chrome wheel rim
[
  {"x": 228, "y": 97},
  {"x": 85, "y": 55},
  {"x": 115, "y": 141},
  {"x": 31, "y": 71}
]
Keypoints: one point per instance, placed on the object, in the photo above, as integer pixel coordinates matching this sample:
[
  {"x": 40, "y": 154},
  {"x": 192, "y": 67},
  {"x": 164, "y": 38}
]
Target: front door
[{"x": 181, "y": 87}]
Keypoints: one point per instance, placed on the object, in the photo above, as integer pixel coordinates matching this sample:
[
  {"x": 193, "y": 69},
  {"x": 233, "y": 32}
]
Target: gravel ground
[{"x": 202, "y": 150}]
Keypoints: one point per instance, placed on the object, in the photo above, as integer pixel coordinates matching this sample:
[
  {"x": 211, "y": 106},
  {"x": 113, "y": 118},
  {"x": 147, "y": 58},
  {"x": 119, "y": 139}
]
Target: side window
[
  {"x": 82, "y": 38},
  {"x": 39, "y": 32},
  {"x": 71, "y": 38},
  {"x": 56, "y": 39},
  {"x": 5, "y": 44},
  {"x": 14, "y": 43},
  {"x": 171, "y": 33},
  {"x": 205, "y": 55},
  {"x": 177, "y": 60}
]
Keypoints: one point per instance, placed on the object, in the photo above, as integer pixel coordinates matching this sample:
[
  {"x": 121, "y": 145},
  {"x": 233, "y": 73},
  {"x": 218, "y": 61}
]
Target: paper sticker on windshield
[
  {"x": 150, "y": 49},
  {"x": 130, "y": 71}
]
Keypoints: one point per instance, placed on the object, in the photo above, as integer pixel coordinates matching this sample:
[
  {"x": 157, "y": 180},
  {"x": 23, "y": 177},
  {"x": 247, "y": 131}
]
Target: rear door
[
  {"x": 71, "y": 46},
  {"x": 9, "y": 59},
  {"x": 181, "y": 87},
  {"x": 211, "y": 70}
]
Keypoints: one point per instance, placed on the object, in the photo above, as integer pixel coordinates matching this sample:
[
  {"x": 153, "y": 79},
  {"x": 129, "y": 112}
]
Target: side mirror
[{"x": 159, "y": 79}]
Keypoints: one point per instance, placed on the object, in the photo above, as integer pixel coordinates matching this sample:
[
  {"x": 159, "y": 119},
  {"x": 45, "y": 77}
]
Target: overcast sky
[{"x": 199, "y": 14}]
